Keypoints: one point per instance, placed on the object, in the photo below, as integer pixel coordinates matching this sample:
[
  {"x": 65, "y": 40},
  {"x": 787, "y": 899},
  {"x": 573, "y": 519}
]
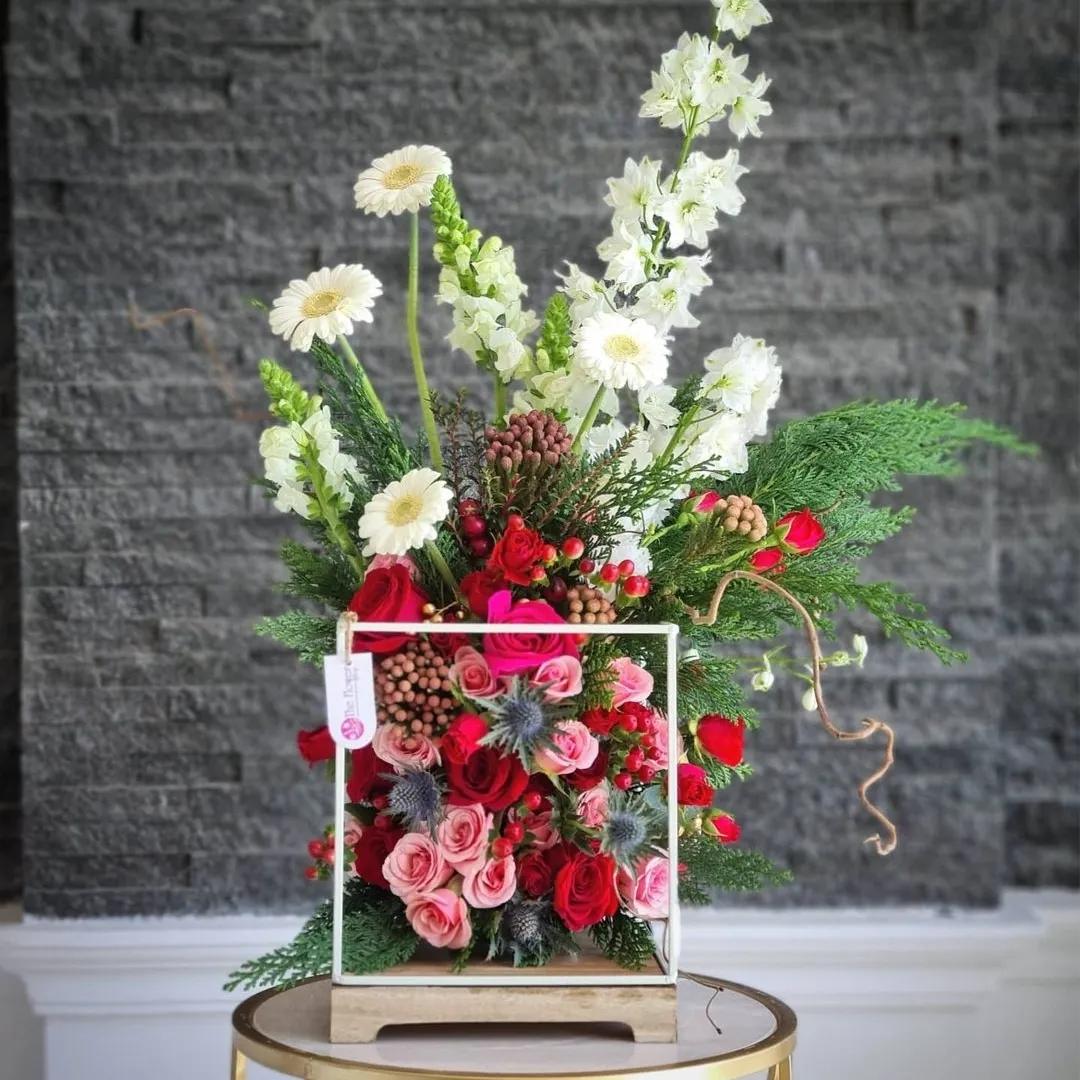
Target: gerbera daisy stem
[
  {"x": 590, "y": 418},
  {"x": 365, "y": 382},
  {"x": 680, "y": 431},
  {"x": 411, "y": 311}
]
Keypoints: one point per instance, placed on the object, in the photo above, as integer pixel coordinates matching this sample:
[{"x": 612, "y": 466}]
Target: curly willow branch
[{"x": 870, "y": 726}]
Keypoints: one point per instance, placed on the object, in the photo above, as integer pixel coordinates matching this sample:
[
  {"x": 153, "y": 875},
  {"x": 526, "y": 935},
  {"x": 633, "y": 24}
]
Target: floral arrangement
[{"x": 514, "y": 795}]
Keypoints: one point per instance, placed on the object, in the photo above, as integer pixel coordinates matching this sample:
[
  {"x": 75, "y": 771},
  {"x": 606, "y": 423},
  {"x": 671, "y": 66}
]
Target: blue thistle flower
[
  {"x": 415, "y": 797},
  {"x": 632, "y": 827},
  {"x": 522, "y": 722}
]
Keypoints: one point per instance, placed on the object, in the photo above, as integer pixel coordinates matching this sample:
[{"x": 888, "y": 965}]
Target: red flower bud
[
  {"x": 800, "y": 532},
  {"x": 768, "y": 559}
]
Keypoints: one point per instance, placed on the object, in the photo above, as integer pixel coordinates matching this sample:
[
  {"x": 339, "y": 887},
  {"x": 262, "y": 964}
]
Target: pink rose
[
  {"x": 490, "y": 884},
  {"x": 463, "y": 834},
  {"x": 353, "y": 831},
  {"x": 404, "y": 750},
  {"x": 415, "y": 866},
  {"x": 384, "y": 562},
  {"x": 441, "y": 918},
  {"x": 647, "y": 890},
  {"x": 559, "y": 678},
  {"x": 632, "y": 683},
  {"x": 541, "y": 832},
  {"x": 575, "y": 748},
  {"x": 592, "y": 806},
  {"x": 656, "y": 725},
  {"x": 472, "y": 675},
  {"x": 508, "y": 654}
]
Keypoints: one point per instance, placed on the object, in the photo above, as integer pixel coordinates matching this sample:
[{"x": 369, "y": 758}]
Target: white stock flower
[
  {"x": 338, "y": 467},
  {"x": 633, "y": 196},
  {"x": 405, "y": 514},
  {"x": 654, "y": 403},
  {"x": 740, "y": 16},
  {"x": 324, "y": 304},
  {"x": 401, "y": 180},
  {"x": 586, "y": 294},
  {"x": 601, "y": 438},
  {"x": 720, "y": 440},
  {"x": 716, "y": 180},
  {"x": 735, "y": 374},
  {"x": 617, "y": 351},
  {"x": 689, "y": 216},
  {"x": 496, "y": 269},
  {"x": 627, "y": 252},
  {"x": 748, "y": 108}
]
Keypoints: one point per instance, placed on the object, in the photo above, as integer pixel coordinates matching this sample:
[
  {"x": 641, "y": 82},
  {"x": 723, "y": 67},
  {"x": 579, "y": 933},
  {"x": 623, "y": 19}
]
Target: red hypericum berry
[
  {"x": 647, "y": 771},
  {"x": 515, "y": 521},
  {"x": 586, "y": 566},
  {"x": 648, "y": 739},
  {"x": 501, "y": 848},
  {"x": 548, "y": 553},
  {"x": 380, "y": 802},
  {"x": 573, "y": 547},
  {"x": 481, "y": 546},
  {"x": 652, "y": 753},
  {"x": 532, "y": 800},
  {"x": 467, "y": 507},
  {"x": 556, "y": 591},
  {"x": 635, "y": 758},
  {"x": 623, "y": 780},
  {"x": 609, "y": 573},
  {"x": 636, "y": 586},
  {"x": 328, "y": 855},
  {"x": 514, "y": 831},
  {"x": 473, "y": 526},
  {"x": 628, "y": 722},
  {"x": 316, "y": 848},
  {"x": 311, "y": 873},
  {"x": 626, "y": 567},
  {"x": 538, "y": 573}
]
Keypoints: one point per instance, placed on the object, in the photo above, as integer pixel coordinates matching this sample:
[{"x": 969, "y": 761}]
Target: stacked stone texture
[{"x": 910, "y": 229}]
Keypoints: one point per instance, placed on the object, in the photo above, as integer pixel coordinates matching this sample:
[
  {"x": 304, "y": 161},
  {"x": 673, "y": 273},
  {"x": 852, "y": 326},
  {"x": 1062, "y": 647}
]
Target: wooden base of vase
[{"x": 359, "y": 1013}]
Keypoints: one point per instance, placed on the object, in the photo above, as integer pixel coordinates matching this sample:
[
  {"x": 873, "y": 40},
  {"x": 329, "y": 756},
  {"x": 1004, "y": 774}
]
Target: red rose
[
  {"x": 534, "y": 874},
  {"x": 722, "y": 826},
  {"x": 371, "y": 851},
  {"x": 479, "y": 587},
  {"x": 584, "y": 779},
  {"x": 388, "y": 594},
  {"x": 768, "y": 559},
  {"x": 721, "y": 737},
  {"x": 694, "y": 788},
  {"x": 363, "y": 774},
  {"x": 600, "y": 721},
  {"x": 800, "y": 531},
  {"x": 490, "y": 778},
  {"x": 585, "y": 890},
  {"x": 315, "y": 746},
  {"x": 515, "y": 553},
  {"x": 462, "y": 737}
]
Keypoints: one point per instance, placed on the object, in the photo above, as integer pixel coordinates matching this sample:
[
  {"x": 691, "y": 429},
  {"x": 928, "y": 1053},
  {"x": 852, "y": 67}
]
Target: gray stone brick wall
[{"x": 911, "y": 229}]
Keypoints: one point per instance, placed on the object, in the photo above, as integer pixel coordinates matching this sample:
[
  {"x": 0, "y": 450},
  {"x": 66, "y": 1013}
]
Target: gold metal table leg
[
  {"x": 781, "y": 1070},
  {"x": 239, "y": 1065}
]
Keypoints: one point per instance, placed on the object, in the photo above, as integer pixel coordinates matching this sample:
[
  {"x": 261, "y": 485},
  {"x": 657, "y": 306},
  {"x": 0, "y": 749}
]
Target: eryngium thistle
[
  {"x": 522, "y": 722},
  {"x": 415, "y": 797},
  {"x": 526, "y": 924},
  {"x": 630, "y": 829}
]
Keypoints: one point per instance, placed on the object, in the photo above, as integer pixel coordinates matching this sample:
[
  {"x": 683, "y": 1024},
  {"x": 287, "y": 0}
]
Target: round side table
[{"x": 726, "y": 1031}]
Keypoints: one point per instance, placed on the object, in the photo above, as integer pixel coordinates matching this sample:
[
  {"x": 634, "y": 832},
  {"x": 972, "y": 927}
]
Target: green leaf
[
  {"x": 712, "y": 865},
  {"x": 625, "y": 939},
  {"x": 310, "y": 636},
  {"x": 325, "y": 577}
]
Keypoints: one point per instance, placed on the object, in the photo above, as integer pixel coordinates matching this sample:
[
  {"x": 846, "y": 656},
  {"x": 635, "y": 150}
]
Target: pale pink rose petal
[
  {"x": 463, "y": 835},
  {"x": 471, "y": 674},
  {"x": 632, "y": 683},
  {"x": 404, "y": 750},
  {"x": 415, "y": 866},
  {"x": 489, "y": 884},
  {"x": 559, "y": 678},
  {"x": 575, "y": 748},
  {"x": 592, "y": 806},
  {"x": 646, "y": 891},
  {"x": 441, "y": 918}
]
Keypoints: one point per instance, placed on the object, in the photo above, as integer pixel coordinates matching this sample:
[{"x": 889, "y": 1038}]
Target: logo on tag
[{"x": 350, "y": 700}]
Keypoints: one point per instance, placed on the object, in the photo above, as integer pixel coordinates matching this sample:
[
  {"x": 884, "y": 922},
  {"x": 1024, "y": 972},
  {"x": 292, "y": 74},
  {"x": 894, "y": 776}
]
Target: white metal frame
[{"x": 667, "y": 953}]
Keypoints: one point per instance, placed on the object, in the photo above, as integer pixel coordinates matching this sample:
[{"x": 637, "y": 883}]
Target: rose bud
[
  {"x": 704, "y": 503},
  {"x": 767, "y": 559},
  {"x": 799, "y": 532}
]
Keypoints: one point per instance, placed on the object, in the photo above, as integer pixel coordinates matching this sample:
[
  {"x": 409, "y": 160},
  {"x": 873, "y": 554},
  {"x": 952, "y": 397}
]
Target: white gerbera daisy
[
  {"x": 401, "y": 180},
  {"x": 324, "y": 304},
  {"x": 405, "y": 514},
  {"x": 616, "y": 351}
]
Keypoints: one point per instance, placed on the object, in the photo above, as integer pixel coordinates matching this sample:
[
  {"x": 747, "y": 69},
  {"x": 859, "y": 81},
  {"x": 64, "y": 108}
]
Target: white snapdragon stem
[{"x": 412, "y": 308}]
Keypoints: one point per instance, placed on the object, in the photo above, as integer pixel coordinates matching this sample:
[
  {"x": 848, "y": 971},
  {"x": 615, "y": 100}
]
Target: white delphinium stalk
[
  {"x": 627, "y": 252},
  {"x": 718, "y": 442},
  {"x": 665, "y": 302},
  {"x": 406, "y": 514},
  {"x": 748, "y": 108},
  {"x": 401, "y": 180},
  {"x": 602, "y": 438},
  {"x": 325, "y": 304},
  {"x": 585, "y": 294},
  {"x": 740, "y": 16},
  {"x": 744, "y": 378},
  {"x": 716, "y": 179},
  {"x": 617, "y": 351},
  {"x": 689, "y": 215},
  {"x": 655, "y": 405},
  {"x": 635, "y": 195}
]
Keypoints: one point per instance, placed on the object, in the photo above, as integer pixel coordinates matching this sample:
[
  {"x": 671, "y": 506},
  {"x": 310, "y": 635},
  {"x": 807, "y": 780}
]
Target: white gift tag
[{"x": 350, "y": 700}]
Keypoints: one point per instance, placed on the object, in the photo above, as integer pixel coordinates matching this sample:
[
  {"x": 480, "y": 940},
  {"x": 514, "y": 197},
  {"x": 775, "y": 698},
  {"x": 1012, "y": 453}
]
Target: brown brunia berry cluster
[
  {"x": 742, "y": 515},
  {"x": 589, "y": 605},
  {"x": 531, "y": 442},
  {"x": 412, "y": 689}
]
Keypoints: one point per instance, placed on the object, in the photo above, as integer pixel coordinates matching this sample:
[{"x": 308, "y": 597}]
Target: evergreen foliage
[
  {"x": 625, "y": 939},
  {"x": 710, "y": 865},
  {"x": 311, "y": 636},
  {"x": 324, "y": 577}
]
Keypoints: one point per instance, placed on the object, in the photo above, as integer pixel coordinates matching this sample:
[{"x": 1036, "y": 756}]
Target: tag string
[{"x": 349, "y": 618}]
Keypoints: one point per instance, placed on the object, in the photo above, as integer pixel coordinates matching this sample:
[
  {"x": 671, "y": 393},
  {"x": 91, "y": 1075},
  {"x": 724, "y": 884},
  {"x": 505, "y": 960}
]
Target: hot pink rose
[
  {"x": 490, "y": 884},
  {"x": 646, "y": 891},
  {"x": 441, "y": 918},
  {"x": 560, "y": 678},
  {"x": 404, "y": 750},
  {"x": 463, "y": 834},
  {"x": 508, "y": 654},
  {"x": 472, "y": 675},
  {"x": 592, "y": 806},
  {"x": 632, "y": 683},
  {"x": 415, "y": 866},
  {"x": 575, "y": 748}
]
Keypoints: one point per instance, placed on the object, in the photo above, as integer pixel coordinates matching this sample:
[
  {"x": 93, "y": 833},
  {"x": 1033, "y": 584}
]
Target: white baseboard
[{"x": 880, "y": 995}]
